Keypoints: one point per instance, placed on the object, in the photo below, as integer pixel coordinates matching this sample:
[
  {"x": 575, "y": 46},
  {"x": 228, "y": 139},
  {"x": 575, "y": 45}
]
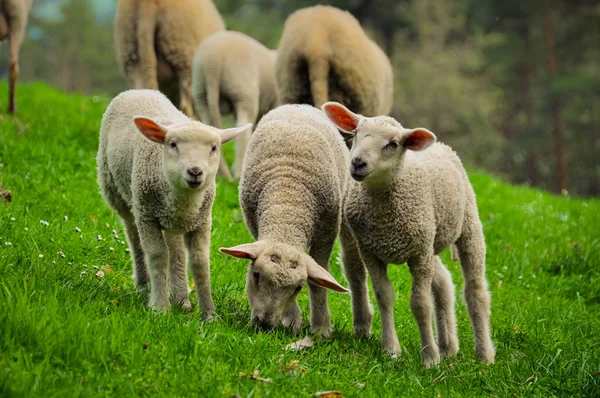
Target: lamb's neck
[
  {"x": 188, "y": 201},
  {"x": 382, "y": 187}
]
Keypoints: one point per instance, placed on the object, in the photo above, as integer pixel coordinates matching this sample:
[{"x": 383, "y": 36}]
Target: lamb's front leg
[
  {"x": 157, "y": 258},
  {"x": 178, "y": 271},
  {"x": 421, "y": 306},
  {"x": 320, "y": 316},
  {"x": 384, "y": 293},
  {"x": 198, "y": 246}
]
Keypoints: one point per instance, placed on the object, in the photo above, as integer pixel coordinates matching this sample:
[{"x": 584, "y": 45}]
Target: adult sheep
[
  {"x": 233, "y": 73},
  {"x": 13, "y": 20},
  {"x": 410, "y": 199},
  {"x": 324, "y": 55},
  {"x": 155, "y": 42},
  {"x": 156, "y": 168},
  {"x": 291, "y": 191}
]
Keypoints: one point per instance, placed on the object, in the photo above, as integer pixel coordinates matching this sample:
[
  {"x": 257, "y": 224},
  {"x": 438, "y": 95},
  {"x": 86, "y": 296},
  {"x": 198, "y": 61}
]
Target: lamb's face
[
  {"x": 191, "y": 155},
  {"x": 273, "y": 281}
]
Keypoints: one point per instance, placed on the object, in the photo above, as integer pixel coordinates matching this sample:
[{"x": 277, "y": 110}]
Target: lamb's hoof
[
  {"x": 142, "y": 289},
  {"x": 294, "y": 323},
  {"x": 362, "y": 331},
  {"x": 486, "y": 355},
  {"x": 209, "y": 316},
  {"x": 430, "y": 357},
  {"x": 448, "y": 350},
  {"x": 393, "y": 350},
  {"x": 185, "y": 305},
  {"x": 159, "y": 307},
  {"x": 323, "y": 331}
]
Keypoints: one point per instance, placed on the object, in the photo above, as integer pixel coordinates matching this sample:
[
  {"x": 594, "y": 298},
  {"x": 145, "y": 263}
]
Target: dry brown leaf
[
  {"x": 329, "y": 394},
  {"x": 6, "y": 196},
  {"x": 254, "y": 376},
  {"x": 107, "y": 268},
  {"x": 300, "y": 344}
]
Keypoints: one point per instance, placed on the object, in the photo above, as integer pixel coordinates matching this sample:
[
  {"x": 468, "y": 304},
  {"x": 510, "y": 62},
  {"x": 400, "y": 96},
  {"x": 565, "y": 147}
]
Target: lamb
[
  {"x": 221, "y": 85},
  {"x": 324, "y": 54},
  {"x": 291, "y": 190},
  {"x": 157, "y": 168},
  {"x": 405, "y": 205},
  {"x": 13, "y": 21},
  {"x": 155, "y": 42}
]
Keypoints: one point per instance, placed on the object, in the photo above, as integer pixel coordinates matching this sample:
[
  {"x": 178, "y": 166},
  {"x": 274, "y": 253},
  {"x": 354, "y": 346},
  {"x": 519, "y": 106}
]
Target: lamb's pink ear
[
  {"x": 342, "y": 117},
  {"x": 319, "y": 276},
  {"x": 419, "y": 139},
  {"x": 151, "y": 130},
  {"x": 249, "y": 251},
  {"x": 229, "y": 134}
]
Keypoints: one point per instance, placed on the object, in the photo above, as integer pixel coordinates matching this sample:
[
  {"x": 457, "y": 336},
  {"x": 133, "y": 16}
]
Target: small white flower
[
  {"x": 99, "y": 237},
  {"x": 13, "y": 219},
  {"x": 60, "y": 253},
  {"x": 69, "y": 263},
  {"x": 96, "y": 267},
  {"x": 26, "y": 229},
  {"x": 122, "y": 242},
  {"x": 533, "y": 276},
  {"x": 43, "y": 222},
  {"x": 112, "y": 249},
  {"x": 8, "y": 243},
  {"x": 114, "y": 232},
  {"x": 77, "y": 229},
  {"x": 41, "y": 255},
  {"x": 539, "y": 298},
  {"x": 66, "y": 218},
  {"x": 520, "y": 276},
  {"x": 53, "y": 262},
  {"x": 80, "y": 236},
  {"x": 83, "y": 273},
  {"x": 107, "y": 225},
  {"x": 127, "y": 250},
  {"x": 100, "y": 274}
]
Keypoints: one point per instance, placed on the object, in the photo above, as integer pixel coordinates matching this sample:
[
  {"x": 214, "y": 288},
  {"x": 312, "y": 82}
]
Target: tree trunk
[{"x": 555, "y": 102}]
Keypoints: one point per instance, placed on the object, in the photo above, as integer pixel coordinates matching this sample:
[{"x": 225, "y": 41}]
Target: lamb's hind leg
[
  {"x": 140, "y": 273},
  {"x": 443, "y": 296},
  {"x": 422, "y": 271},
  {"x": 245, "y": 113},
  {"x": 471, "y": 250},
  {"x": 356, "y": 274},
  {"x": 16, "y": 38},
  {"x": 178, "y": 280},
  {"x": 320, "y": 317}
]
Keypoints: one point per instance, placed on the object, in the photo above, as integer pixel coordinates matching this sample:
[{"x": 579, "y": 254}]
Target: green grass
[{"x": 65, "y": 331}]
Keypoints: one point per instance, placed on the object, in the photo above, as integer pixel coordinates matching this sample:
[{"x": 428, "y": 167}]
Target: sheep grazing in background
[
  {"x": 324, "y": 55},
  {"x": 156, "y": 40},
  {"x": 233, "y": 73},
  {"x": 13, "y": 20},
  {"x": 291, "y": 190},
  {"x": 157, "y": 168},
  {"x": 407, "y": 206}
]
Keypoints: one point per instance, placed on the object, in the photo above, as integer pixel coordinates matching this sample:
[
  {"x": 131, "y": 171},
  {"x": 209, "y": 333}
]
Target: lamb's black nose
[
  {"x": 195, "y": 171},
  {"x": 358, "y": 163}
]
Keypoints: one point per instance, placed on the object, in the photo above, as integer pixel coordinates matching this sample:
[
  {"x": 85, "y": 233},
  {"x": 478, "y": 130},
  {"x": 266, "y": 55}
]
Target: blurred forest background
[{"x": 513, "y": 86}]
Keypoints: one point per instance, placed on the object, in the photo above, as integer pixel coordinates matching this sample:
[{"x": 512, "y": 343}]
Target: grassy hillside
[{"x": 66, "y": 331}]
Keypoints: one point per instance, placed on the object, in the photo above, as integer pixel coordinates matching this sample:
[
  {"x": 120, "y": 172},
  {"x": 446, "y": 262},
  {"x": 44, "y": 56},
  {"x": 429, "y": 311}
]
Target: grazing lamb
[
  {"x": 156, "y": 40},
  {"x": 408, "y": 206},
  {"x": 157, "y": 168},
  {"x": 293, "y": 182},
  {"x": 233, "y": 73},
  {"x": 13, "y": 20},
  {"x": 324, "y": 55}
]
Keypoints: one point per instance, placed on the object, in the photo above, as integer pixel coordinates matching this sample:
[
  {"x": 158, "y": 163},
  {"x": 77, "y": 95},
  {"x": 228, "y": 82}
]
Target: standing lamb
[
  {"x": 157, "y": 168},
  {"x": 233, "y": 73},
  {"x": 324, "y": 54},
  {"x": 293, "y": 182},
  {"x": 156, "y": 40},
  {"x": 408, "y": 206},
  {"x": 13, "y": 20}
]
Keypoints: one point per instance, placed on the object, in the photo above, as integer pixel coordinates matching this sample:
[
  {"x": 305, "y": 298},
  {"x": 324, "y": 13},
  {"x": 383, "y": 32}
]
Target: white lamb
[
  {"x": 220, "y": 85},
  {"x": 408, "y": 206},
  {"x": 291, "y": 191},
  {"x": 157, "y": 168}
]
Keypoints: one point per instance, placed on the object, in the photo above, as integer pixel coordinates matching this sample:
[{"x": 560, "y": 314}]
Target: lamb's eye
[
  {"x": 275, "y": 258},
  {"x": 256, "y": 276},
  {"x": 213, "y": 149},
  {"x": 173, "y": 145},
  {"x": 298, "y": 288},
  {"x": 392, "y": 145}
]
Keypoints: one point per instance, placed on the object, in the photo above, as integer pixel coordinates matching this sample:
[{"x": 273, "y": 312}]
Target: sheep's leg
[
  {"x": 320, "y": 317},
  {"x": 140, "y": 273},
  {"x": 356, "y": 274},
  {"x": 157, "y": 257},
  {"x": 178, "y": 280},
  {"x": 292, "y": 318},
  {"x": 244, "y": 114},
  {"x": 16, "y": 38},
  {"x": 471, "y": 250},
  {"x": 198, "y": 247},
  {"x": 384, "y": 293},
  {"x": 420, "y": 304},
  {"x": 443, "y": 296},
  {"x": 185, "y": 91}
]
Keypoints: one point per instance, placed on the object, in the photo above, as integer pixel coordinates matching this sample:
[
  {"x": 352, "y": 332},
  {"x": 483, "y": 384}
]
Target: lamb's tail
[
  {"x": 145, "y": 35},
  {"x": 454, "y": 252},
  {"x": 318, "y": 73},
  {"x": 213, "y": 93}
]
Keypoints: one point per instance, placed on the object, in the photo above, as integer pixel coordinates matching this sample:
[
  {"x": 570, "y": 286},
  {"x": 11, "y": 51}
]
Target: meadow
[{"x": 72, "y": 324}]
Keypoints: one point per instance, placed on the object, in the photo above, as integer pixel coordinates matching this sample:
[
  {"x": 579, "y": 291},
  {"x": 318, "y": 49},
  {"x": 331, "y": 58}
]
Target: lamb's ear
[
  {"x": 319, "y": 276},
  {"x": 419, "y": 139},
  {"x": 151, "y": 130},
  {"x": 249, "y": 251},
  {"x": 342, "y": 117},
  {"x": 229, "y": 134}
]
